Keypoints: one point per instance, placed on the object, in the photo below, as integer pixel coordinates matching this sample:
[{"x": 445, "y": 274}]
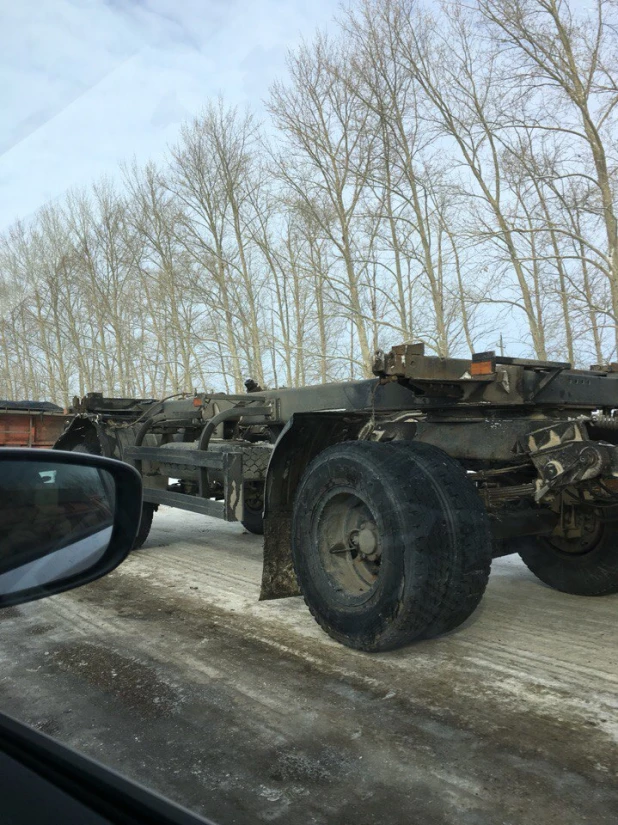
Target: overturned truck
[{"x": 383, "y": 501}]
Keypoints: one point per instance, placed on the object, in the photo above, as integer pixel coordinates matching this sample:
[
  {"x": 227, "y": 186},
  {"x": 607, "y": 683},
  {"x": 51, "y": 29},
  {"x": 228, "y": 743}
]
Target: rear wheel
[
  {"x": 390, "y": 543},
  {"x": 253, "y": 505},
  {"x": 584, "y": 564},
  {"x": 144, "y": 525},
  {"x": 94, "y": 448}
]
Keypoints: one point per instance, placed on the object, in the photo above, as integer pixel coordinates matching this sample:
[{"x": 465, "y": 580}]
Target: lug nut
[{"x": 588, "y": 456}]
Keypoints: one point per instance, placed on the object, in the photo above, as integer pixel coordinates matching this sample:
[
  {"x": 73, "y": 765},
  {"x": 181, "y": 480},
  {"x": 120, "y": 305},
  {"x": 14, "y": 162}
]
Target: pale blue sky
[{"x": 85, "y": 84}]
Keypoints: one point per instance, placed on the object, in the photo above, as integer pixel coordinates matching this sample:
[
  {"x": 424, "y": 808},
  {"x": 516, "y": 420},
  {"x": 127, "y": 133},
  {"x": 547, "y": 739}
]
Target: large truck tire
[
  {"x": 252, "y": 520},
  {"x": 144, "y": 525},
  {"x": 585, "y": 566},
  {"x": 390, "y": 543},
  {"x": 94, "y": 448}
]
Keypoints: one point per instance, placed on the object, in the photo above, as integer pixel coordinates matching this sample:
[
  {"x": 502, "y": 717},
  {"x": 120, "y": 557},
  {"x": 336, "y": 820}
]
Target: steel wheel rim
[
  {"x": 349, "y": 547},
  {"x": 592, "y": 533}
]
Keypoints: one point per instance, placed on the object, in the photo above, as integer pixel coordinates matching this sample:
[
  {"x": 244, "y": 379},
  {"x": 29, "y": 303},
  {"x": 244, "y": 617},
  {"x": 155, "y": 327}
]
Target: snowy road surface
[{"x": 172, "y": 672}]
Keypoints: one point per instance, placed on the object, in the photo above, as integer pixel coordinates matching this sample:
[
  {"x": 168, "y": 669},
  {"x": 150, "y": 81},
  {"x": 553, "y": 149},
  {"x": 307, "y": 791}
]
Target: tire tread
[{"x": 455, "y": 577}]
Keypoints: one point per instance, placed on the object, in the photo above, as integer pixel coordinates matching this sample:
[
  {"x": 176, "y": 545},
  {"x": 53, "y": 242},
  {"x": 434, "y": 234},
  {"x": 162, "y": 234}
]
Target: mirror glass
[{"x": 56, "y": 520}]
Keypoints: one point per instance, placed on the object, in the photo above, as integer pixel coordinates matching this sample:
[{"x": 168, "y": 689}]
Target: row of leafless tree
[{"x": 445, "y": 174}]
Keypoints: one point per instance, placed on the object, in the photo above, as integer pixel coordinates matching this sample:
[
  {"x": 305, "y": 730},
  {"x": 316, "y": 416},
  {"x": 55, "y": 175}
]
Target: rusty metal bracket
[
  {"x": 233, "y": 496},
  {"x": 563, "y": 454}
]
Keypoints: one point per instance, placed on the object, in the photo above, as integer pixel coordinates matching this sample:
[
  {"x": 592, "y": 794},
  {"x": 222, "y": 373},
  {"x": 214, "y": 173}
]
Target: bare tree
[
  {"x": 210, "y": 175},
  {"x": 445, "y": 173},
  {"x": 325, "y": 159},
  {"x": 569, "y": 58}
]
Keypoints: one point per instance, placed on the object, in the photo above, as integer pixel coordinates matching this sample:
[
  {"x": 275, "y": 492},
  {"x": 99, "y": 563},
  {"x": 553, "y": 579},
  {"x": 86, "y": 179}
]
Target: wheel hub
[
  {"x": 347, "y": 536},
  {"x": 578, "y": 532},
  {"x": 365, "y": 541}
]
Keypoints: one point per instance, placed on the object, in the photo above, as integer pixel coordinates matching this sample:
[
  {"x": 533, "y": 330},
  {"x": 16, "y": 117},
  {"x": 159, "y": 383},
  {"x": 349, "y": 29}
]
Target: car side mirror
[{"x": 65, "y": 519}]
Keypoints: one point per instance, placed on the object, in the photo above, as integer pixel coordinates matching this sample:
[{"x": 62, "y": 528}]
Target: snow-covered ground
[{"x": 171, "y": 671}]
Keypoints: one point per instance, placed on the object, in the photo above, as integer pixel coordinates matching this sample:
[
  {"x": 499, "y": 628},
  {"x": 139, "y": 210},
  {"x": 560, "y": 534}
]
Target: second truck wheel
[
  {"x": 148, "y": 510},
  {"x": 253, "y": 505},
  {"x": 390, "y": 543},
  {"x": 144, "y": 525},
  {"x": 584, "y": 565}
]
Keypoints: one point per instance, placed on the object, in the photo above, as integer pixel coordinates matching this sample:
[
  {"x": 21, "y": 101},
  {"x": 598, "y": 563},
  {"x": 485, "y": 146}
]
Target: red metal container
[{"x": 30, "y": 427}]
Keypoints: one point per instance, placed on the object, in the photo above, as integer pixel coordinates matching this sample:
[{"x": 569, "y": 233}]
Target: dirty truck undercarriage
[{"x": 383, "y": 501}]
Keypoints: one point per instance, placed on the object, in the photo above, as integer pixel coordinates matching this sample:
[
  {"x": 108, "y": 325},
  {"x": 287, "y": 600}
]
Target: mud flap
[
  {"x": 278, "y": 576},
  {"x": 303, "y": 437}
]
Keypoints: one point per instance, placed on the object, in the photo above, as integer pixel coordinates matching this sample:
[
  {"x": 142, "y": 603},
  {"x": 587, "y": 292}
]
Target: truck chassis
[{"x": 383, "y": 501}]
